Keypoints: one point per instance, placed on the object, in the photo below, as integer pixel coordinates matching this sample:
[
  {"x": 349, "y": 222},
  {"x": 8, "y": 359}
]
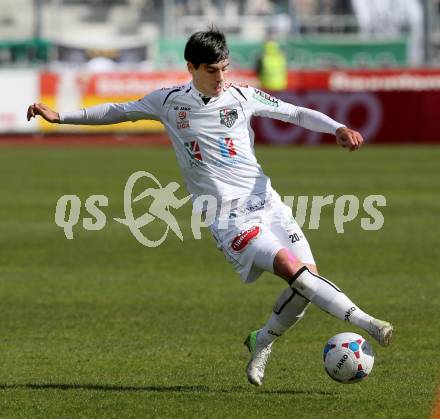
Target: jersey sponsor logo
[
  {"x": 227, "y": 148},
  {"x": 228, "y": 117},
  {"x": 244, "y": 238},
  {"x": 248, "y": 208},
  {"x": 193, "y": 151},
  {"x": 182, "y": 119},
  {"x": 265, "y": 98},
  {"x": 182, "y": 108},
  {"x": 228, "y": 153}
]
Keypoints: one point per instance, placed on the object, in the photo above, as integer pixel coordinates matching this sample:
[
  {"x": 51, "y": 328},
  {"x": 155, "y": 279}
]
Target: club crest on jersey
[
  {"x": 182, "y": 119},
  {"x": 228, "y": 117},
  {"x": 244, "y": 238}
]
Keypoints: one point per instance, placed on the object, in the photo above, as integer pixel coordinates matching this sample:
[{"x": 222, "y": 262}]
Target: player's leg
[
  {"x": 251, "y": 248},
  {"x": 328, "y": 296},
  {"x": 288, "y": 310},
  {"x": 296, "y": 257},
  {"x": 291, "y": 305}
]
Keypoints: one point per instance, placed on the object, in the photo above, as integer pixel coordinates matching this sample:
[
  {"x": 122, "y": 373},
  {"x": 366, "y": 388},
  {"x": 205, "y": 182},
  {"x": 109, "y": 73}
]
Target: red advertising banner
[
  {"x": 381, "y": 117},
  {"x": 366, "y": 80}
]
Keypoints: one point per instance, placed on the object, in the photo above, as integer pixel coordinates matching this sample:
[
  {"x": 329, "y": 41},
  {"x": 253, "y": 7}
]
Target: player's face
[{"x": 209, "y": 79}]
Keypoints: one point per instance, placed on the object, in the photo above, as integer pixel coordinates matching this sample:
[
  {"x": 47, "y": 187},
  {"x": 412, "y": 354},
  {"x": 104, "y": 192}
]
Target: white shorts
[{"x": 251, "y": 241}]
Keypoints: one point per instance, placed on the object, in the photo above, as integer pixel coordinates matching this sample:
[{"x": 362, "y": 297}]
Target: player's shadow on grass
[
  {"x": 154, "y": 389},
  {"x": 105, "y": 387}
]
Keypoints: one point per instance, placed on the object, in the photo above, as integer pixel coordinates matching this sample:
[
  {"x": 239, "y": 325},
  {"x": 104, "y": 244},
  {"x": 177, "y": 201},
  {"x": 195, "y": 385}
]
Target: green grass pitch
[{"x": 100, "y": 326}]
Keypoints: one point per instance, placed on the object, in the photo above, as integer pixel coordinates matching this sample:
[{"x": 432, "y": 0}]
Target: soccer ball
[{"x": 348, "y": 358}]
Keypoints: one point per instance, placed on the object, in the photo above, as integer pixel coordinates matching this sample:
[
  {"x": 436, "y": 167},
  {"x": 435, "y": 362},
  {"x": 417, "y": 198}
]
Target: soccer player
[{"x": 208, "y": 121}]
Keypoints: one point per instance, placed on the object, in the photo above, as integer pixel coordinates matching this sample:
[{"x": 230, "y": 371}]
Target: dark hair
[{"x": 207, "y": 47}]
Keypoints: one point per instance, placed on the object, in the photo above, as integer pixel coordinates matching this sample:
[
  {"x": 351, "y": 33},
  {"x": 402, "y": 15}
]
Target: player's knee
[{"x": 286, "y": 264}]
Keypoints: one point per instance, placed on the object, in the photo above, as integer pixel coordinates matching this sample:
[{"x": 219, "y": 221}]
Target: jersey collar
[{"x": 200, "y": 96}]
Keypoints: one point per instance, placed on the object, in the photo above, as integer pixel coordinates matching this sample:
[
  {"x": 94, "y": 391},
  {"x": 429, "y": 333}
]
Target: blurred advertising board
[
  {"x": 386, "y": 106},
  {"x": 19, "y": 88},
  {"x": 303, "y": 52},
  {"x": 25, "y": 51},
  {"x": 366, "y": 80},
  {"x": 381, "y": 117}
]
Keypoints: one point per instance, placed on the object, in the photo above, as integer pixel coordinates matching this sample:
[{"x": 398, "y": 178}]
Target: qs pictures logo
[{"x": 68, "y": 209}]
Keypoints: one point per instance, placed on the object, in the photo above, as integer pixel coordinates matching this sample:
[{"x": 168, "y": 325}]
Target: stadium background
[{"x": 97, "y": 326}]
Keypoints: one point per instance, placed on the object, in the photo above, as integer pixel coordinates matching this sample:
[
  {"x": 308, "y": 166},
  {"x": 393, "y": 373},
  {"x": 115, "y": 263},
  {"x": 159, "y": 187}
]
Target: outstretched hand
[
  {"x": 44, "y": 111},
  {"x": 348, "y": 138}
]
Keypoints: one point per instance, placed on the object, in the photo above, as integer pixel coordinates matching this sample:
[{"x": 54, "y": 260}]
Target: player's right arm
[
  {"x": 107, "y": 113},
  {"x": 44, "y": 111}
]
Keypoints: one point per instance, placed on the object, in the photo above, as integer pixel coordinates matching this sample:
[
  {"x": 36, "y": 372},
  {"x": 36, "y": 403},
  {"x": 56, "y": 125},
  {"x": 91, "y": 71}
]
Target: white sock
[
  {"x": 289, "y": 309},
  {"x": 329, "y": 298}
]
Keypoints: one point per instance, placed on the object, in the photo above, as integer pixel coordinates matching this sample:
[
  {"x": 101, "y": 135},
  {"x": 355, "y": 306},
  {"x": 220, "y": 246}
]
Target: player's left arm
[
  {"x": 320, "y": 122},
  {"x": 264, "y": 104}
]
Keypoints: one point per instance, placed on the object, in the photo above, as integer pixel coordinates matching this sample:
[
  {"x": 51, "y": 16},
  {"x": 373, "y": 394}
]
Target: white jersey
[{"x": 213, "y": 141}]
